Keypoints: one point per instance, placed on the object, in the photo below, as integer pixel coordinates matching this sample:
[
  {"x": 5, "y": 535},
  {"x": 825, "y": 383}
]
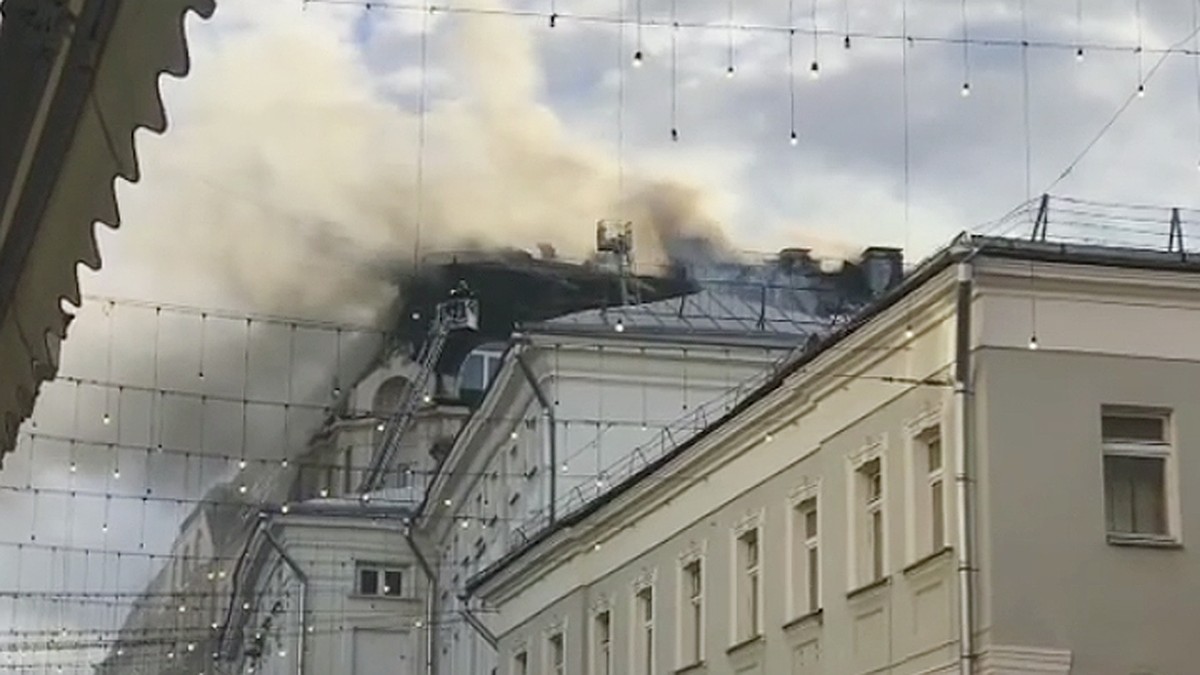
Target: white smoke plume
[{"x": 291, "y": 179}]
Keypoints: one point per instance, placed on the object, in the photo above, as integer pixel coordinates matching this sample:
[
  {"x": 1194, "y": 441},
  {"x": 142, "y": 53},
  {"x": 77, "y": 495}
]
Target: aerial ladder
[{"x": 459, "y": 312}]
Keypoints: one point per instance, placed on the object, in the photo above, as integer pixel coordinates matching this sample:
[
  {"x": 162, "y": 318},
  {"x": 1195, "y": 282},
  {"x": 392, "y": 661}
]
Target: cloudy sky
[{"x": 316, "y": 149}]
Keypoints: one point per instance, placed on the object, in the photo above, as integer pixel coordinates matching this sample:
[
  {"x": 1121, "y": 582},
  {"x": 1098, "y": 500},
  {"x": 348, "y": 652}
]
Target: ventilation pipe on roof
[{"x": 883, "y": 268}]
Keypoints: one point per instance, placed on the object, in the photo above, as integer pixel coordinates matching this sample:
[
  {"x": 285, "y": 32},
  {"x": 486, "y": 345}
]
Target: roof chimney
[
  {"x": 883, "y": 268},
  {"x": 796, "y": 260}
]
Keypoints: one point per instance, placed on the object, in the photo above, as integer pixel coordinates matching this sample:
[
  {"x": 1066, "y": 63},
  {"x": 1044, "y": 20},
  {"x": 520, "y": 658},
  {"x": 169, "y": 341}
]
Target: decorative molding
[
  {"x": 1017, "y": 660},
  {"x": 928, "y": 417},
  {"x": 602, "y": 603},
  {"x": 809, "y": 488},
  {"x": 872, "y": 448},
  {"x": 695, "y": 550},
  {"x": 647, "y": 578},
  {"x": 750, "y": 521}
]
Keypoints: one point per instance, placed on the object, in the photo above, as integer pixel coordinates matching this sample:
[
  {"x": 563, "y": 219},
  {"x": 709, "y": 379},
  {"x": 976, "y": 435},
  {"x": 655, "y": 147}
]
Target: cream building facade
[{"x": 986, "y": 472}]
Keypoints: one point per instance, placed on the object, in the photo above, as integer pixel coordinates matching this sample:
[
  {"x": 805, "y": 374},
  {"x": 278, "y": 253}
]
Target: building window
[
  {"x": 375, "y": 579},
  {"x": 748, "y": 589},
  {"x": 691, "y": 613},
  {"x": 602, "y": 650},
  {"x": 929, "y": 492},
  {"x": 643, "y": 647},
  {"x": 556, "y": 657},
  {"x": 1138, "y": 466},
  {"x": 521, "y": 663},
  {"x": 806, "y": 558},
  {"x": 871, "y": 536}
]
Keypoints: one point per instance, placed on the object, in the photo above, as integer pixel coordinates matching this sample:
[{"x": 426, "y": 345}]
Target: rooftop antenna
[{"x": 614, "y": 241}]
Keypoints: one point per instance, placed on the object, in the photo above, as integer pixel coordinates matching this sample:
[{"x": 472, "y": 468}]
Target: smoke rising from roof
[{"x": 296, "y": 179}]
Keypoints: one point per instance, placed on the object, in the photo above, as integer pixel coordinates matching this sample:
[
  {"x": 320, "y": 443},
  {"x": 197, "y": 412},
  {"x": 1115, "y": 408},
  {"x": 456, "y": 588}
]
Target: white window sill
[
  {"x": 364, "y": 596},
  {"x": 1143, "y": 540}
]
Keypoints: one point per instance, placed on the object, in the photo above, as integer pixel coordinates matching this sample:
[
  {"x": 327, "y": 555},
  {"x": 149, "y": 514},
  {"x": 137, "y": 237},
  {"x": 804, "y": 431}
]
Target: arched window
[{"x": 390, "y": 395}]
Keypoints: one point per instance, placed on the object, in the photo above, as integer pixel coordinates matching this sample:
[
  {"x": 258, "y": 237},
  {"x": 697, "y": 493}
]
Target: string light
[
  {"x": 729, "y": 66},
  {"x": 674, "y": 93},
  {"x": 637, "y": 54},
  {"x": 966, "y": 53},
  {"x": 1079, "y": 31},
  {"x": 815, "y": 69},
  {"x": 846, "y": 11}
]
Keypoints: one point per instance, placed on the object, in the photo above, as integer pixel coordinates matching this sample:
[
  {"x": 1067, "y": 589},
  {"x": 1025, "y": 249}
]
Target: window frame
[
  {"x": 644, "y": 632},
  {"x": 922, "y": 516},
  {"x": 744, "y": 572},
  {"x": 1165, "y": 450},
  {"x": 804, "y": 499},
  {"x": 557, "y": 637},
  {"x": 381, "y": 570},
  {"x": 600, "y": 647},
  {"x": 692, "y": 609},
  {"x": 520, "y": 660},
  {"x": 860, "y": 559}
]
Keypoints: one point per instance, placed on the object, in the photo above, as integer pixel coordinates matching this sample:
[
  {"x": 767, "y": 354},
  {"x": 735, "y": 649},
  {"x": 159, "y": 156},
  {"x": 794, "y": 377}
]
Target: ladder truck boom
[{"x": 459, "y": 312}]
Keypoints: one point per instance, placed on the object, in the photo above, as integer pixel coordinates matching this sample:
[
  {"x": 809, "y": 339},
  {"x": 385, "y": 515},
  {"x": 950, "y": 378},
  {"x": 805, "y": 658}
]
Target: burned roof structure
[{"x": 515, "y": 288}]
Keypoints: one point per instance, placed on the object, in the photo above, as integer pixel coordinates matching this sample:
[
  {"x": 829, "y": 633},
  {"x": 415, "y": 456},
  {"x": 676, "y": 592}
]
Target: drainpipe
[
  {"x": 962, "y": 467},
  {"x": 430, "y": 598},
  {"x": 291, "y": 563},
  {"x": 548, "y": 409}
]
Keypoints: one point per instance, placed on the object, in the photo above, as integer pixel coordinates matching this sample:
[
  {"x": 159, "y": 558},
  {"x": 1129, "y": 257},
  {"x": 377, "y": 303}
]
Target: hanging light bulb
[
  {"x": 464, "y": 523},
  {"x": 284, "y": 509},
  {"x": 1079, "y": 55},
  {"x": 191, "y": 647},
  {"x": 675, "y": 134},
  {"x": 769, "y": 437},
  {"x": 74, "y": 467},
  {"x": 794, "y": 139},
  {"x": 1033, "y": 342},
  {"x": 214, "y": 625},
  {"x": 908, "y": 332},
  {"x": 1141, "y": 90},
  {"x": 117, "y": 474},
  {"x": 620, "y": 326},
  {"x": 600, "y": 483},
  {"x": 966, "y": 89},
  {"x": 815, "y": 70},
  {"x": 637, "y": 59},
  {"x": 729, "y": 72},
  {"x": 447, "y": 501},
  {"x": 245, "y": 606},
  {"x": 564, "y": 467},
  {"x": 337, "y": 391},
  {"x": 104, "y": 527},
  {"x": 379, "y": 427},
  {"x": 366, "y": 497},
  {"x": 324, "y": 492},
  {"x": 427, "y": 398},
  {"x": 596, "y": 546},
  {"x": 242, "y": 488},
  {"x": 513, "y": 434},
  {"x": 283, "y": 462},
  {"x": 846, "y": 42},
  {"x": 241, "y": 463}
]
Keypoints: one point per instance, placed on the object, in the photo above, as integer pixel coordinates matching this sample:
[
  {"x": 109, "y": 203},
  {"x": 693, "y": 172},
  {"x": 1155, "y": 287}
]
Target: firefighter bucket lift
[{"x": 458, "y": 312}]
